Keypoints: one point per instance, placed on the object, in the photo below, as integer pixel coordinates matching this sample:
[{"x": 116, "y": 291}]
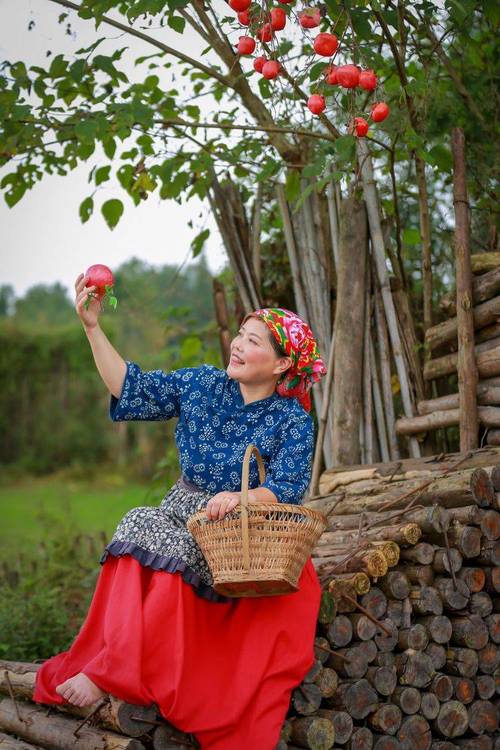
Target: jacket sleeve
[
  {"x": 288, "y": 472},
  {"x": 151, "y": 395}
]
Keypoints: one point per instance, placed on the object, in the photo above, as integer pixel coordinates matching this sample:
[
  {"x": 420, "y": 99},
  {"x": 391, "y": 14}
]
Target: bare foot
[{"x": 80, "y": 690}]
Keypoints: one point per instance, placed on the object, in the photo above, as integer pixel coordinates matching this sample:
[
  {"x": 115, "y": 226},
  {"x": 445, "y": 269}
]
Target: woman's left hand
[{"x": 222, "y": 503}]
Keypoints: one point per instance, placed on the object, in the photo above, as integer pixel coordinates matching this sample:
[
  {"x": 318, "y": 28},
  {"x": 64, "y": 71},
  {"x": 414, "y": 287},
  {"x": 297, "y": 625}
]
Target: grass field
[{"x": 31, "y": 508}]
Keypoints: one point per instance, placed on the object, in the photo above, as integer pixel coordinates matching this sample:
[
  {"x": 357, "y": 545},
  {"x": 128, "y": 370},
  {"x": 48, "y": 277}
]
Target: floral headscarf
[{"x": 297, "y": 340}]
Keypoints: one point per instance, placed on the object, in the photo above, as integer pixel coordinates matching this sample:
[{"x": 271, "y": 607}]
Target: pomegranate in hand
[{"x": 102, "y": 278}]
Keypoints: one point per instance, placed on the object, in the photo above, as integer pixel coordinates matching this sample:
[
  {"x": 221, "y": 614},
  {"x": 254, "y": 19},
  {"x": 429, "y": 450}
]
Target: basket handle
[{"x": 244, "y": 498}]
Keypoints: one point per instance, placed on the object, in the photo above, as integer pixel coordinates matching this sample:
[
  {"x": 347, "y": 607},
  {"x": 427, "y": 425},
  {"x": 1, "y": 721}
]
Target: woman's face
[{"x": 253, "y": 359}]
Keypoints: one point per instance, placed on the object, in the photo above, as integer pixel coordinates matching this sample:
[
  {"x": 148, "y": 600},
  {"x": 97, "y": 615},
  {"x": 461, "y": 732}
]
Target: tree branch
[
  {"x": 155, "y": 43},
  {"x": 254, "y": 128}
]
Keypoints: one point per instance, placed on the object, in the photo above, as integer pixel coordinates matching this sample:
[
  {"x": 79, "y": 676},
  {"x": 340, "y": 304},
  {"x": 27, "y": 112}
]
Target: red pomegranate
[
  {"x": 348, "y": 76},
  {"x": 368, "y": 80},
  {"x": 316, "y": 103},
  {"x": 360, "y": 126},
  {"x": 379, "y": 111},
  {"x": 310, "y": 18},
  {"x": 325, "y": 44},
  {"x": 271, "y": 69}
]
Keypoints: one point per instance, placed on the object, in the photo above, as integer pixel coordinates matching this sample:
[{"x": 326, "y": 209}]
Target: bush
[{"x": 44, "y": 601}]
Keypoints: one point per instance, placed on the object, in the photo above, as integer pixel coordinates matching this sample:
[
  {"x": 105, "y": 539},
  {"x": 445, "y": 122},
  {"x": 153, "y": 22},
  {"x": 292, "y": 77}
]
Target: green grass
[{"x": 31, "y": 507}]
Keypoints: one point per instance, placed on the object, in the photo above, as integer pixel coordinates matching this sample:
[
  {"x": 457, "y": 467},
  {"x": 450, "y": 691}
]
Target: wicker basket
[{"x": 259, "y": 549}]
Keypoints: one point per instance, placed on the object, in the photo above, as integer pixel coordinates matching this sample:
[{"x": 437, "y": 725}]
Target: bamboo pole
[
  {"x": 255, "y": 238},
  {"x": 302, "y": 305},
  {"x": 367, "y": 391},
  {"x": 334, "y": 221},
  {"x": 222, "y": 317},
  {"x": 370, "y": 194},
  {"x": 379, "y": 410},
  {"x": 385, "y": 370},
  {"x": 316, "y": 470},
  {"x": 466, "y": 365}
]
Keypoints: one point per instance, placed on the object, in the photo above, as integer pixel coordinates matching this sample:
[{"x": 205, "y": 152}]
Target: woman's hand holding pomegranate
[{"x": 90, "y": 315}]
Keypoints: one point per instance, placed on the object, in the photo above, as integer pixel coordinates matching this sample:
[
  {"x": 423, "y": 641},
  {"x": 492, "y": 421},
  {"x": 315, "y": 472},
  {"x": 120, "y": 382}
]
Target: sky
[{"x": 42, "y": 239}]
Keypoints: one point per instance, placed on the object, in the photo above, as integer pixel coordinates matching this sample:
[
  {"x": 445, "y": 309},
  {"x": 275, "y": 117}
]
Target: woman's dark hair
[{"x": 280, "y": 352}]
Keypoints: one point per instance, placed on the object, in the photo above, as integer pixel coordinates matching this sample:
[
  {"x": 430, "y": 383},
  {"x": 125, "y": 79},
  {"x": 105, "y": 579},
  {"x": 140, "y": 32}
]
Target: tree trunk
[{"x": 349, "y": 323}]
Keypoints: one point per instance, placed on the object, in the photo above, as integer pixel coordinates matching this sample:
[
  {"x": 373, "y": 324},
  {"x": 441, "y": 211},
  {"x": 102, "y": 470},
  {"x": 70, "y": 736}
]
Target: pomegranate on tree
[
  {"x": 278, "y": 19},
  {"x": 368, "y": 80},
  {"x": 360, "y": 126},
  {"x": 258, "y": 63},
  {"x": 348, "y": 76},
  {"x": 316, "y": 103},
  {"x": 325, "y": 44},
  {"x": 239, "y": 5},
  {"x": 330, "y": 74},
  {"x": 271, "y": 69},
  {"x": 379, "y": 111},
  {"x": 265, "y": 33},
  {"x": 244, "y": 18},
  {"x": 246, "y": 45},
  {"x": 310, "y": 18}
]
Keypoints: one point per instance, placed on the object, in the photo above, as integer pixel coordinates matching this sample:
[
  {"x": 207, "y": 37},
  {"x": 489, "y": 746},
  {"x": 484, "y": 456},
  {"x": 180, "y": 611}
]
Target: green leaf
[
  {"x": 198, "y": 243},
  {"x": 86, "y": 209},
  {"x": 361, "y": 22},
  {"x": 77, "y": 69},
  {"x": 112, "y": 211},
  {"x": 177, "y": 23},
  {"x": 58, "y": 67},
  {"x": 345, "y": 147},
  {"x": 316, "y": 71},
  {"x": 314, "y": 169},
  {"x": 86, "y": 131},
  {"x": 292, "y": 185},
  {"x": 102, "y": 174},
  {"x": 440, "y": 157},
  {"x": 109, "y": 147},
  {"x": 265, "y": 88}
]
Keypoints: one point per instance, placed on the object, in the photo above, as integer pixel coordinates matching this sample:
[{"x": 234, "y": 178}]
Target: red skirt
[{"x": 221, "y": 671}]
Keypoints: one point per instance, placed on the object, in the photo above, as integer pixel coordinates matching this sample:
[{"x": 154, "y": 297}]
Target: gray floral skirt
[{"x": 157, "y": 536}]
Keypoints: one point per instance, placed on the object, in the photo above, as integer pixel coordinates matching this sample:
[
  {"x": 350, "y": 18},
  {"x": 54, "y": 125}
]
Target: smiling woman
[{"x": 154, "y": 599}]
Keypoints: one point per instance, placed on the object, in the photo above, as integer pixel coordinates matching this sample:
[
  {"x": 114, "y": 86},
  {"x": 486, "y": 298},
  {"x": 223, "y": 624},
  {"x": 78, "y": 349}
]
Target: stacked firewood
[
  {"x": 441, "y": 340},
  {"x": 407, "y": 647},
  {"x": 409, "y": 659},
  {"x": 110, "y": 724}
]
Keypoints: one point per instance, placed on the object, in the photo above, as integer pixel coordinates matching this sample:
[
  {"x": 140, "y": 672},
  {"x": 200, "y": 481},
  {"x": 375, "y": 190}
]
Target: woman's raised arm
[{"x": 111, "y": 366}]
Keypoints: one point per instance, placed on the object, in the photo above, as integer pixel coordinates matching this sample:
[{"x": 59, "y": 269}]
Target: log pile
[
  {"x": 442, "y": 341},
  {"x": 407, "y": 645},
  {"x": 408, "y": 658},
  {"x": 109, "y": 724}
]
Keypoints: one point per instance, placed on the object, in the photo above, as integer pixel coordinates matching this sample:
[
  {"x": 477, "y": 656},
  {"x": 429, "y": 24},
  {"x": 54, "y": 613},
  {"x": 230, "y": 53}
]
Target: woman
[{"x": 156, "y": 631}]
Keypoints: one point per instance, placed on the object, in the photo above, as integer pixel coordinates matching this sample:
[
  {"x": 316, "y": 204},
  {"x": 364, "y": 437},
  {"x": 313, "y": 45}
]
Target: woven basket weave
[{"x": 259, "y": 549}]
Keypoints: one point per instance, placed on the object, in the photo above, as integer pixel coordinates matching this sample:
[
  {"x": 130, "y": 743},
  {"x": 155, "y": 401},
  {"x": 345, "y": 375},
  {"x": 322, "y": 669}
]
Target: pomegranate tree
[{"x": 264, "y": 21}]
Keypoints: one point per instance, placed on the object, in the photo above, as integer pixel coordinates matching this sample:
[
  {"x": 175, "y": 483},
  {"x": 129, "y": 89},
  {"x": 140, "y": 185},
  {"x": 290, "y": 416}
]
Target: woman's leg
[{"x": 105, "y": 655}]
